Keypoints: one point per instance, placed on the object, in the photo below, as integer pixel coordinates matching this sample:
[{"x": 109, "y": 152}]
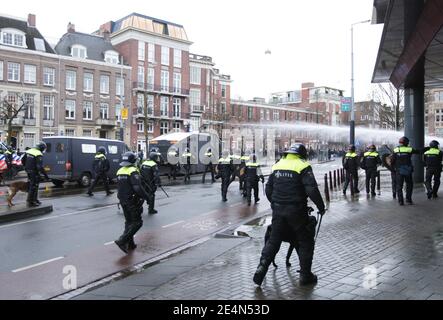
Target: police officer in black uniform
[
  {"x": 253, "y": 175},
  {"x": 151, "y": 178},
  {"x": 173, "y": 163},
  {"x": 351, "y": 165},
  {"x": 401, "y": 160},
  {"x": 187, "y": 157},
  {"x": 370, "y": 162},
  {"x": 290, "y": 184},
  {"x": 34, "y": 167},
  {"x": 433, "y": 162},
  {"x": 224, "y": 169},
  {"x": 131, "y": 195},
  {"x": 100, "y": 168},
  {"x": 242, "y": 171},
  {"x": 209, "y": 165}
]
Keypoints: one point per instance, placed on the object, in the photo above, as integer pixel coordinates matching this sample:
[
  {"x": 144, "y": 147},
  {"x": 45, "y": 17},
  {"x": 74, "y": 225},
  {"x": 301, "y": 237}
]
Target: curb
[{"x": 23, "y": 212}]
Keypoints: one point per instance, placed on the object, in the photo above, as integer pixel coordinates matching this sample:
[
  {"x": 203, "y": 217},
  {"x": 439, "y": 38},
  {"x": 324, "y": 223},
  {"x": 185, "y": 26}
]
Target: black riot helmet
[
  {"x": 297, "y": 148},
  {"x": 372, "y": 148},
  {"x": 154, "y": 156},
  {"x": 351, "y": 148},
  {"x": 41, "y": 146},
  {"x": 101, "y": 150},
  {"x": 128, "y": 159},
  {"x": 434, "y": 144},
  {"x": 404, "y": 141}
]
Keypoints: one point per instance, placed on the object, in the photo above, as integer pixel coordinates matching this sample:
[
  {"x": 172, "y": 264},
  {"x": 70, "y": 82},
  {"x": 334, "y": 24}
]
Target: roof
[
  {"x": 31, "y": 32},
  {"x": 177, "y": 136},
  {"x": 154, "y": 25},
  {"x": 96, "y": 46}
]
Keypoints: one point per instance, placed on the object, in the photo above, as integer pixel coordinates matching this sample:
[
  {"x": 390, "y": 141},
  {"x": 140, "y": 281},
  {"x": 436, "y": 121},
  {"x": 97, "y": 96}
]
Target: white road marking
[
  {"x": 37, "y": 264},
  {"x": 173, "y": 224},
  {"x": 55, "y": 217},
  {"x": 109, "y": 243}
]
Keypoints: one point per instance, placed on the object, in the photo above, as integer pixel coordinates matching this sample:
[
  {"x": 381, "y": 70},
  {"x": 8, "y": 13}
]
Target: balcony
[
  {"x": 106, "y": 122},
  {"x": 199, "y": 57},
  {"x": 18, "y": 122},
  {"x": 140, "y": 86},
  {"x": 197, "y": 109},
  {"x": 48, "y": 123},
  {"x": 29, "y": 122}
]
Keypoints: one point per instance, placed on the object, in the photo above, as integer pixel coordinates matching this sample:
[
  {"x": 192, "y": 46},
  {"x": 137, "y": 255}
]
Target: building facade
[{"x": 434, "y": 112}]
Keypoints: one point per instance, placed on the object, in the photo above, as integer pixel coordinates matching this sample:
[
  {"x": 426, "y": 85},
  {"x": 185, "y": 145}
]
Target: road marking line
[
  {"x": 109, "y": 243},
  {"x": 173, "y": 224},
  {"x": 37, "y": 264}
]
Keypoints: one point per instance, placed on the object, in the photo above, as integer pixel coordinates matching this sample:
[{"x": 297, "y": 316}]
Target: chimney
[
  {"x": 106, "y": 35},
  {"x": 71, "y": 27},
  {"x": 31, "y": 20}
]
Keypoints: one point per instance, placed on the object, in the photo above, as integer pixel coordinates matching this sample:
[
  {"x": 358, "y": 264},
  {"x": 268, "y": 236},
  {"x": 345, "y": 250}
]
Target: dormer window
[
  {"x": 111, "y": 57},
  {"x": 13, "y": 37},
  {"x": 78, "y": 51}
]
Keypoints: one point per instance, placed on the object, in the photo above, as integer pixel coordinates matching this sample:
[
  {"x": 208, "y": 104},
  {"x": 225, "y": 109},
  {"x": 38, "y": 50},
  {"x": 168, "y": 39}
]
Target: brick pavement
[{"x": 404, "y": 244}]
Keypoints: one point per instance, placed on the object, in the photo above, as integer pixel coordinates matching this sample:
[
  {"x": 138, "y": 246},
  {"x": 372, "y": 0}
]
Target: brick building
[{"x": 434, "y": 112}]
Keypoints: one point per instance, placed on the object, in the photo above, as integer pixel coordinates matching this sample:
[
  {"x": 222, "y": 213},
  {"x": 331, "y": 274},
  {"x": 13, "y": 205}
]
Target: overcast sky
[{"x": 309, "y": 40}]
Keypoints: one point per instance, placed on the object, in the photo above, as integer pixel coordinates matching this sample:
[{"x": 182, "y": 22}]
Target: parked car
[{"x": 70, "y": 158}]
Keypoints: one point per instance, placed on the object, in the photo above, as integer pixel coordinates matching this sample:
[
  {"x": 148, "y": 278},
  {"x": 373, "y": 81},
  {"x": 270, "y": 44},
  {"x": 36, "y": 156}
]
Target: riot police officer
[
  {"x": 34, "y": 167},
  {"x": 131, "y": 195},
  {"x": 173, "y": 163},
  {"x": 351, "y": 165},
  {"x": 290, "y": 184},
  {"x": 401, "y": 160},
  {"x": 151, "y": 179},
  {"x": 100, "y": 168},
  {"x": 370, "y": 161},
  {"x": 187, "y": 157},
  {"x": 224, "y": 169},
  {"x": 209, "y": 166},
  {"x": 433, "y": 162},
  {"x": 242, "y": 170},
  {"x": 253, "y": 175},
  {"x": 236, "y": 162}
]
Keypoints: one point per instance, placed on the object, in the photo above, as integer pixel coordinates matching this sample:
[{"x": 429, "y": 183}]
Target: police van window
[
  {"x": 89, "y": 148},
  {"x": 48, "y": 148},
  {"x": 60, "y": 147},
  {"x": 112, "y": 149}
]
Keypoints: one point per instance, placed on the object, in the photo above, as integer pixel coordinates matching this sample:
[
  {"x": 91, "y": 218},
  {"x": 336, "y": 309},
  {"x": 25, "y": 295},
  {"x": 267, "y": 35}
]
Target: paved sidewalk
[{"x": 402, "y": 245}]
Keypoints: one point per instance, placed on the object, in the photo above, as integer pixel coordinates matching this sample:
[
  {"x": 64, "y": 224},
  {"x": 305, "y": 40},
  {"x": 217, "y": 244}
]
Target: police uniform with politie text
[
  {"x": 224, "y": 171},
  {"x": 100, "y": 168},
  {"x": 34, "y": 167},
  {"x": 151, "y": 178},
  {"x": 402, "y": 161},
  {"x": 433, "y": 162},
  {"x": 131, "y": 195},
  {"x": 370, "y": 162},
  {"x": 290, "y": 185},
  {"x": 253, "y": 175},
  {"x": 351, "y": 165}
]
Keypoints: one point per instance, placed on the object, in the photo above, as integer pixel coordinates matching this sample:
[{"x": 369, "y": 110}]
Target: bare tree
[
  {"x": 10, "y": 110},
  {"x": 390, "y": 109}
]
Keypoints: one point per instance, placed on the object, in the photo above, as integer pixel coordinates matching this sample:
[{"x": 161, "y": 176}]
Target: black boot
[
  {"x": 307, "y": 279},
  {"x": 152, "y": 211},
  {"x": 132, "y": 245},
  {"x": 260, "y": 273},
  {"x": 123, "y": 246}
]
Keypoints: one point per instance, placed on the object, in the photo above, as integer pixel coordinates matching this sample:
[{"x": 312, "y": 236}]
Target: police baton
[
  {"x": 319, "y": 225},
  {"x": 164, "y": 191}
]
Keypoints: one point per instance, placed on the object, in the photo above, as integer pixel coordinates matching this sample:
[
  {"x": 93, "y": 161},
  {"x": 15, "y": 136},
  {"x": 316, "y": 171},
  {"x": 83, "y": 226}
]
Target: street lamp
[{"x": 352, "y": 122}]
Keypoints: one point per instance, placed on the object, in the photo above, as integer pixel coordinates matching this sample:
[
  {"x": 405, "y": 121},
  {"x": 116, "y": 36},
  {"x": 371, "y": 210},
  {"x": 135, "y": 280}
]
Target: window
[
  {"x": 7, "y": 38},
  {"x": 141, "y": 51},
  {"x": 176, "y": 127},
  {"x": 177, "y": 58},
  {"x": 223, "y": 91},
  {"x": 262, "y": 115},
  {"x": 88, "y": 80},
  {"x": 48, "y": 77},
  {"x": 151, "y": 52},
  {"x": 140, "y": 126},
  {"x": 223, "y": 107},
  {"x": 141, "y": 75},
  {"x": 194, "y": 97},
  {"x": 119, "y": 86},
  {"x": 48, "y": 107},
  {"x": 150, "y": 78},
  {"x": 18, "y": 40},
  {"x": 87, "y": 148},
  {"x": 1, "y": 70},
  {"x": 111, "y": 57},
  {"x": 118, "y": 111},
  {"x": 141, "y": 105},
  {"x": 195, "y": 75},
  {"x": 13, "y": 71},
  {"x": 78, "y": 51},
  {"x": 164, "y": 127},
  {"x": 176, "y": 106},
  {"x": 104, "y": 111},
  {"x": 71, "y": 133},
  {"x": 87, "y": 110},
  {"x": 165, "y": 56},
  {"x": 14, "y": 37},
  {"x": 177, "y": 82},
  {"x": 30, "y": 74},
  {"x": 276, "y": 116},
  {"x": 28, "y": 140},
  {"x": 60, "y": 148},
  {"x": 112, "y": 149},
  {"x": 268, "y": 115},
  {"x": 29, "y": 109},
  {"x": 71, "y": 80},
  {"x": 70, "y": 109},
  {"x": 250, "y": 113},
  {"x": 164, "y": 80},
  {"x": 150, "y": 104},
  {"x": 104, "y": 84},
  {"x": 164, "y": 106},
  {"x": 87, "y": 133}
]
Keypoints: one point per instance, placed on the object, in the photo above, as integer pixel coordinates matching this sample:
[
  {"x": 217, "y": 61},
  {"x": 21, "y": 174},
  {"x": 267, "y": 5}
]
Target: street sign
[
  {"x": 124, "y": 113},
  {"x": 346, "y": 104}
]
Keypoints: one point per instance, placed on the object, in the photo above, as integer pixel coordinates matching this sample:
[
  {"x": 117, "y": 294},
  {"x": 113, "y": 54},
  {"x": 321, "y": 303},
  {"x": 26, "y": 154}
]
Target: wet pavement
[{"x": 368, "y": 248}]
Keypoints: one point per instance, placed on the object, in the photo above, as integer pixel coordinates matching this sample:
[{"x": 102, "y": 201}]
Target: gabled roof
[
  {"x": 31, "y": 32},
  {"x": 96, "y": 46}
]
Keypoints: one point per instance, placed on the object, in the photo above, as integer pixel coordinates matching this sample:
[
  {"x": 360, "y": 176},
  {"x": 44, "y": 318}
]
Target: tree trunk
[{"x": 9, "y": 131}]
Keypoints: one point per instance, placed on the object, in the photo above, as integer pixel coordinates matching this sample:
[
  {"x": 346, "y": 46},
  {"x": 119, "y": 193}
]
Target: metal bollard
[
  {"x": 342, "y": 176},
  {"x": 330, "y": 181},
  {"x": 328, "y": 199},
  {"x": 335, "y": 179},
  {"x": 378, "y": 181}
]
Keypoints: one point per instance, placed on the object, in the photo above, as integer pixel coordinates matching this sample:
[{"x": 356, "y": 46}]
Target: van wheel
[
  {"x": 85, "y": 180},
  {"x": 58, "y": 183}
]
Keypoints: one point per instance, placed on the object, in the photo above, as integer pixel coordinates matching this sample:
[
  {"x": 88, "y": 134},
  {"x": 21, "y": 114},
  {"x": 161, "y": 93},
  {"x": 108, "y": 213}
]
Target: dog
[
  {"x": 15, "y": 187},
  {"x": 287, "y": 237}
]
